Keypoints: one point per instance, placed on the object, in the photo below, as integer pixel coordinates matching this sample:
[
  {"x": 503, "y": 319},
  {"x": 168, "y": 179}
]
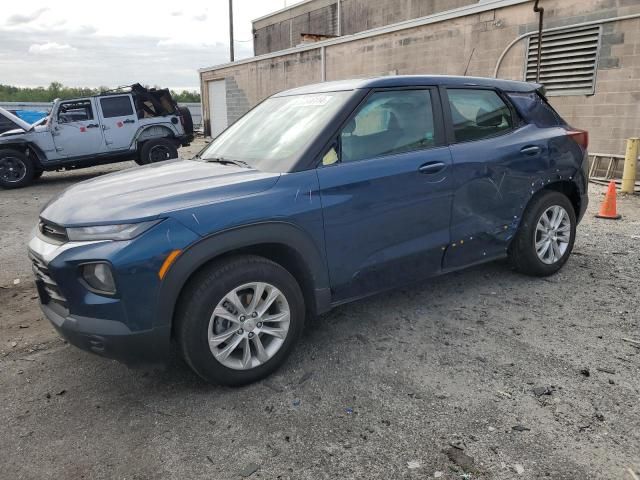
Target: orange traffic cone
[{"x": 608, "y": 208}]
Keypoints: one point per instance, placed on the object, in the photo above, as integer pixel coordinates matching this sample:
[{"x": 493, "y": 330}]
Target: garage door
[{"x": 217, "y": 107}]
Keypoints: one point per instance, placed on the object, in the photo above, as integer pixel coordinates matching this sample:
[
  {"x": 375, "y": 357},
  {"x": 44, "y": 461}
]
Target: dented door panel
[{"x": 494, "y": 180}]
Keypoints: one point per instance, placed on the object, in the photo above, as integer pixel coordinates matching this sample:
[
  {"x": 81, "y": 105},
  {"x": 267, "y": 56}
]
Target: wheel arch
[
  {"x": 570, "y": 190},
  {"x": 152, "y": 132},
  {"x": 280, "y": 242},
  {"x": 28, "y": 148}
]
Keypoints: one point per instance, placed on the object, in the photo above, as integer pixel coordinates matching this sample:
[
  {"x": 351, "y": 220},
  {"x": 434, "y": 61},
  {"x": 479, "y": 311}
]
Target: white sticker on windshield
[{"x": 311, "y": 100}]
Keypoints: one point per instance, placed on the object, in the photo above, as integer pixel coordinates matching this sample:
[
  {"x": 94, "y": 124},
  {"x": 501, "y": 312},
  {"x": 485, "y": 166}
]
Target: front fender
[
  {"x": 209, "y": 248},
  {"x": 24, "y": 145}
]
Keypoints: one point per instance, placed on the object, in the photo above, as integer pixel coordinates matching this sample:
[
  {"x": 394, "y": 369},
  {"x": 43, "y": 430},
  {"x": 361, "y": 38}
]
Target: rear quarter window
[
  {"x": 116, "y": 107},
  {"x": 535, "y": 109}
]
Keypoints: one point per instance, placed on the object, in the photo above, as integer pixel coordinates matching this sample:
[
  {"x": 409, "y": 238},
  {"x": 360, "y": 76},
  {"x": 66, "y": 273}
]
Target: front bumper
[
  {"x": 110, "y": 339},
  {"x": 125, "y": 326}
]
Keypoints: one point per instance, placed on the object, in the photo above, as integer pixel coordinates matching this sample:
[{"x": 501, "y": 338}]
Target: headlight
[
  {"x": 99, "y": 277},
  {"x": 125, "y": 231}
]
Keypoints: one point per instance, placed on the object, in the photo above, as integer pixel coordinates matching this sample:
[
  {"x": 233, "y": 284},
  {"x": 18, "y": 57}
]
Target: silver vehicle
[{"x": 145, "y": 125}]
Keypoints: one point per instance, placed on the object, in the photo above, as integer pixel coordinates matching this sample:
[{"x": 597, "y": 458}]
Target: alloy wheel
[
  {"x": 553, "y": 234},
  {"x": 159, "y": 153},
  {"x": 12, "y": 169},
  {"x": 249, "y": 325}
]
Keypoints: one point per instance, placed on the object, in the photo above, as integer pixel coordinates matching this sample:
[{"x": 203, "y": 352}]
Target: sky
[{"x": 92, "y": 44}]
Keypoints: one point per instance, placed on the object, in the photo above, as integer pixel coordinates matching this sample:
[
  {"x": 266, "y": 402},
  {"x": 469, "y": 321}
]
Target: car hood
[
  {"x": 15, "y": 120},
  {"x": 9, "y": 133},
  {"x": 153, "y": 191}
]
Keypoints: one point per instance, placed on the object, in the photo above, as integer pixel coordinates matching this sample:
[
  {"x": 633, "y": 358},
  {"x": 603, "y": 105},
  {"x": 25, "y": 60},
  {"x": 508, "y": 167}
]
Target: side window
[
  {"x": 116, "y": 107},
  {"x": 478, "y": 114},
  {"x": 389, "y": 122},
  {"x": 75, "y": 111}
]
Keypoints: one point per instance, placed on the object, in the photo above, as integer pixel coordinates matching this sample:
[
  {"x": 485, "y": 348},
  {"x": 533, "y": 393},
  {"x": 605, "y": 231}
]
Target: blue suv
[{"x": 318, "y": 196}]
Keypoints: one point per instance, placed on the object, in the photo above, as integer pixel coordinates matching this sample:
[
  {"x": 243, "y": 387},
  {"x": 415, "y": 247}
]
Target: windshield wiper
[{"x": 226, "y": 161}]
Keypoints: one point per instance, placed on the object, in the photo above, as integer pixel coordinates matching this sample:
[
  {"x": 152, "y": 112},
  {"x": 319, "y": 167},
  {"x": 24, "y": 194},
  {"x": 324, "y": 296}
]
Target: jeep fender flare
[
  {"x": 150, "y": 132},
  {"x": 209, "y": 248},
  {"x": 33, "y": 150}
]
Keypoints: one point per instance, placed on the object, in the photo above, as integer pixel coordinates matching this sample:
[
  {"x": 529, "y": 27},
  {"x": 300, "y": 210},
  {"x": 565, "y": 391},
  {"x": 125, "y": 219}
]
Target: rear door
[
  {"x": 496, "y": 157},
  {"x": 119, "y": 121},
  {"x": 386, "y": 193}
]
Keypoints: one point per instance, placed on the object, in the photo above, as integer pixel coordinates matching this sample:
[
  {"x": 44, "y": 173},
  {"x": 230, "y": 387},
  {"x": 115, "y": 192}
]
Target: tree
[{"x": 9, "y": 93}]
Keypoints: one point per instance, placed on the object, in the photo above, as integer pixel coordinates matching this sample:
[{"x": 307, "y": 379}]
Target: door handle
[
  {"x": 432, "y": 167},
  {"x": 92, "y": 125},
  {"x": 530, "y": 150},
  {"x": 129, "y": 121}
]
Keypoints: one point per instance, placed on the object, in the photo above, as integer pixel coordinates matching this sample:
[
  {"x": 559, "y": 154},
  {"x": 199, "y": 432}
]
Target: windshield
[{"x": 272, "y": 135}]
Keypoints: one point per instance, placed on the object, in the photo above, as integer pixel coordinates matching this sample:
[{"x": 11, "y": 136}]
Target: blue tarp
[{"x": 29, "y": 116}]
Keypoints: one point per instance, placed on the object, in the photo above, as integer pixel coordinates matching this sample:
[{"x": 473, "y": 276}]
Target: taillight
[{"x": 580, "y": 136}]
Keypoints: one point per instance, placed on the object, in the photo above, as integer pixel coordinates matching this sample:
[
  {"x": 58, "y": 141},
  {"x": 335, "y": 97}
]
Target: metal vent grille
[{"x": 569, "y": 59}]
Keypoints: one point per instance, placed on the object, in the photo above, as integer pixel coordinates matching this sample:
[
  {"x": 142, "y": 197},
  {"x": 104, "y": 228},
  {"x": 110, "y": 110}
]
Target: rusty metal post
[
  {"x": 539, "y": 10},
  {"x": 630, "y": 165},
  {"x": 231, "y": 55}
]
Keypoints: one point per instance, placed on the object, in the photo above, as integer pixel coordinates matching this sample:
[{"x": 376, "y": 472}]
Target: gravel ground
[{"x": 481, "y": 374}]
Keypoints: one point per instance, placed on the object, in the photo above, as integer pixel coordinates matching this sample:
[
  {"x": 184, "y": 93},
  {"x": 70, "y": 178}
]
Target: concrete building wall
[
  {"x": 283, "y": 29},
  {"x": 474, "y": 43}
]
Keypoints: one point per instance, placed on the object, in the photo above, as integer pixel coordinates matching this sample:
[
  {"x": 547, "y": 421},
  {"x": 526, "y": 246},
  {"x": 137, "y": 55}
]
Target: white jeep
[{"x": 145, "y": 125}]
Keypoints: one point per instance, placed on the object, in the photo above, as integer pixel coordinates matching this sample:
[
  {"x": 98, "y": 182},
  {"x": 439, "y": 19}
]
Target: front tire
[
  {"x": 157, "y": 150},
  {"x": 239, "y": 319},
  {"x": 16, "y": 169},
  {"x": 546, "y": 235}
]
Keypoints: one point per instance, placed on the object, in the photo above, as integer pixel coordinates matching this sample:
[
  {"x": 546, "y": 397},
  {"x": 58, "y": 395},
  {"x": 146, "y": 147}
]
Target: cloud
[
  {"x": 50, "y": 47},
  {"x": 176, "y": 14},
  {"x": 106, "y": 60},
  {"x": 21, "y": 19}
]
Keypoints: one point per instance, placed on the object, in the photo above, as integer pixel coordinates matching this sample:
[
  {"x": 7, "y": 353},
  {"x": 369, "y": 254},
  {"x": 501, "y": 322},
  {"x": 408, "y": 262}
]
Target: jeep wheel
[
  {"x": 239, "y": 319},
  {"x": 158, "y": 150},
  {"x": 16, "y": 170}
]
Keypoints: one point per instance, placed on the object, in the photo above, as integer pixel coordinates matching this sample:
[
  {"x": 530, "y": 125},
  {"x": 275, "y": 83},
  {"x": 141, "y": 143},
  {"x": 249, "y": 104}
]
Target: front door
[
  {"x": 119, "y": 121},
  {"x": 386, "y": 193},
  {"x": 76, "y": 129}
]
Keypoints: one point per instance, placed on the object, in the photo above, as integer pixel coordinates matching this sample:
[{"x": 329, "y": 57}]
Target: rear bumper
[{"x": 110, "y": 339}]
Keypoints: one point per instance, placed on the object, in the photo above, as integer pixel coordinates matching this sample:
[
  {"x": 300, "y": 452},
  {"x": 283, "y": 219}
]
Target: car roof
[{"x": 412, "y": 81}]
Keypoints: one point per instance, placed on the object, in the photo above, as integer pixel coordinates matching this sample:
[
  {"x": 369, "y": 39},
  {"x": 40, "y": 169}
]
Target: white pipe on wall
[{"x": 575, "y": 25}]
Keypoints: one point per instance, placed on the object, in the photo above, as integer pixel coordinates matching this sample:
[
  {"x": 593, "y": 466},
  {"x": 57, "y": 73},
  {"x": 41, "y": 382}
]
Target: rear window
[
  {"x": 535, "y": 109},
  {"x": 116, "y": 107},
  {"x": 478, "y": 114}
]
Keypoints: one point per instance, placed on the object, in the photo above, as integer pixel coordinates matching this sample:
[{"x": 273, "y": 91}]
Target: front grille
[
  {"x": 53, "y": 231},
  {"x": 47, "y": 287}
]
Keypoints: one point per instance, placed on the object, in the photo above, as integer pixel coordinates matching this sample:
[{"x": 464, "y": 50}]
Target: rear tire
[
  {"x": 546, "y": 235},
  {"x": 157, "y": 150},
  {"x": 187, "y": 119},
  {"x": 255, "y": 342},
  {"x": 16, "y": 169}
]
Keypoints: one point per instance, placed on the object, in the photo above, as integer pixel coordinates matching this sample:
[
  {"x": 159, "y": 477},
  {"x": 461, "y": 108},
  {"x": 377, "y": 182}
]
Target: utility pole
[{"x": 231, "y": 29}]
